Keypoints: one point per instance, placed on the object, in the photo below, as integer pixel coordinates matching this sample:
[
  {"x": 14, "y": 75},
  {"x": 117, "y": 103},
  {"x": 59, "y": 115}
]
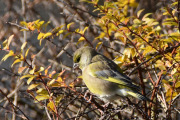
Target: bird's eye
[{"x": 78, "y": 59}]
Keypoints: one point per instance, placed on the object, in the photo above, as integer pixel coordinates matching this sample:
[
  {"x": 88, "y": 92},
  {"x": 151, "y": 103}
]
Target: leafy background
[{"x": 38, "y": 38}]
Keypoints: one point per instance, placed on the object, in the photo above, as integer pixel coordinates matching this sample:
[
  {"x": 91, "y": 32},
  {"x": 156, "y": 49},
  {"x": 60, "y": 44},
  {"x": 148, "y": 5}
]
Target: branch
[
  {"x": 158, "y": 53},
  {"x": 178, "y": 11},
  {"x": 13, "y": 106}
]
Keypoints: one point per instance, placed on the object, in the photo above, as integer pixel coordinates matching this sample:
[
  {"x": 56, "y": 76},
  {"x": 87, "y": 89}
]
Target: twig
[
  {"x": 178, "y": 12},
  {"x": 141, "y": 82},
  {"x": 158, "y": 53},
  {"x": 15, "y": 24},
  {"x": 13, "y": 106}
]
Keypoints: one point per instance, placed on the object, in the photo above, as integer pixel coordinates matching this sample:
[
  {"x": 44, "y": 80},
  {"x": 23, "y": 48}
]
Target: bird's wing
[{"x": 107, "y": 70}]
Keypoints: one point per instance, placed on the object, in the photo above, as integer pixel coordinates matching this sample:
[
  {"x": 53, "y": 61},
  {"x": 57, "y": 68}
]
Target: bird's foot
[{"x": 86, "y": 97}]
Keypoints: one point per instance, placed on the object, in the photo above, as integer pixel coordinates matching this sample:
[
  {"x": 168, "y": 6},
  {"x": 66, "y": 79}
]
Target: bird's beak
[{"x": 75, "y": 65}]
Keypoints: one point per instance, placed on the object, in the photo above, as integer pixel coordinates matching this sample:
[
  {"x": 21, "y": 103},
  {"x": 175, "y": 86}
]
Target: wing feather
[{"x": 106, "y": 69}]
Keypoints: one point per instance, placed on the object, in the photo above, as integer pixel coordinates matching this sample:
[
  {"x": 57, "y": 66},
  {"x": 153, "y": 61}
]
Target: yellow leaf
[
  {"x": 129, "y": 52},
  {"x": 71, "y": 84},
  {"x": 133, "y": 3},
  {"x": 58, "y": 99},
  {"x": 81, "y": 39},
  {"x": 33, "y": 70},
  {"x": 30, "y": 79},
  {"x": 80, "y": 76},
  {"x": 23, "y": 23},
  {"x": 16, "y": 61},
  {"x": 148, "y": 50},
  {"x": 159, "y": 64},
  {"x": 99, "y": 43},
  {"x": 41, "y": 69},
  {"x": 40, "y": 36},
  {"x": 5, "y": 44},
  {"x": 31, "y": 26},
  {"x": 177, "y": 85},
  {"x": 52, "y": 73},
  {"x": 84, "y": 30},
  {"x": 20, "y": 69},
  {"x": 47, "y": 35},
  {"x": 23, "y": 46},
  {"x": 59, "y": 79},
  {"x": 42, "y": 97},
  {"x": 46, "y": 71},
  {"x": 102, "y": 34},
  {"x": 27, "y": 51},
  {"x": 56, "y": 85},
  {"x": 51, "y": 106},
  {"x": 173, "y": 71},
  {"x": 32, "y": 86},
  {"x": 67, "y": 35},
  {"x": 139, "y": 13},
  {"x": 51, "y": 82},
  {"x": 46, "y": 24},
  {"x": 42, "y": 91},
  {"x": 26, "y": 76},
  {"x": 60, "y": 32},
  {"x": 9, "y": 41},
  {"x": 68, "y": 26},
  {"x": 133, "y": 52},
  {"x": 77, "y": 30},
  {"x": 11, "y": 53},
  {"x": 145, "y": 16}
]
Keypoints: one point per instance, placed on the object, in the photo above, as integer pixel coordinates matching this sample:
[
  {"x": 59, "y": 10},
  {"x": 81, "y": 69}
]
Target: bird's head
[{"x": 83, "y": 56}]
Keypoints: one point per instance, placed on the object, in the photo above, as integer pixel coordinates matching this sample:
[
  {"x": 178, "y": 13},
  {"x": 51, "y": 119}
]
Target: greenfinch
[{"x": 103, "y": 77}]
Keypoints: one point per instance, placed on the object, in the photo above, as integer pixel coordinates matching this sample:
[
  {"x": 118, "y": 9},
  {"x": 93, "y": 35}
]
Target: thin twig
[
  {"x": 156, "y": 54},
  {"x": 13, "y": 106}
]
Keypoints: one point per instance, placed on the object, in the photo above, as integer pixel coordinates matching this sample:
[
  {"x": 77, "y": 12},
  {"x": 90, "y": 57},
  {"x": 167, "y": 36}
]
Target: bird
[{"x": 103, "y": 77}]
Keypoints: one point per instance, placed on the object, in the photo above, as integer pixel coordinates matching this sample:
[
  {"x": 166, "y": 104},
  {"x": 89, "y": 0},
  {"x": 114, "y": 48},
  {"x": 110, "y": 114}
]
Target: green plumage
[{"x": 103, "y": 77}]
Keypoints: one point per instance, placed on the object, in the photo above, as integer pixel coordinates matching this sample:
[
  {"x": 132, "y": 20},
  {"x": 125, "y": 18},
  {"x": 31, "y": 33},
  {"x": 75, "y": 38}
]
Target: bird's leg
[{"x": 106, "y": 105}]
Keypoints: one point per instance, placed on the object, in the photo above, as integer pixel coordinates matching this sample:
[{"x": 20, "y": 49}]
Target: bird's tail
[{"x": 138, "y": 95}]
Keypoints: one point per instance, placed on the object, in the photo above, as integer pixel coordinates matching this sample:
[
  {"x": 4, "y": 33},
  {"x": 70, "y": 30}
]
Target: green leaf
[
  {"x": 160, "y": 64},
  {"x": 58, "y": 99},
  {"x": 23, "y": 23},
  {"x": 42, "y": 91},
  {"x": 177, "y": 85}
]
